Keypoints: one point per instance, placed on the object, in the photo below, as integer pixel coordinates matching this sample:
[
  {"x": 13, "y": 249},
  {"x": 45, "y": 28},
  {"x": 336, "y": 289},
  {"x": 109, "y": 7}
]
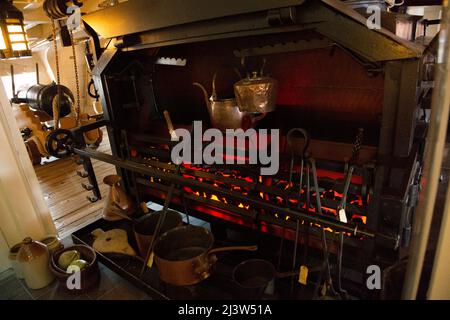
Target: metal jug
[
  {"x": 224, "y": 113},
  {"x": 118, "y": 202},
  {"x": 34, "y": 259}
]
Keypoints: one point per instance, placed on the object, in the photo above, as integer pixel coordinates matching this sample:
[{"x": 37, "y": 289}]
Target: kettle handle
[
  {"x": 214, "y": 92},
  {"x": 261, "y": 70}
]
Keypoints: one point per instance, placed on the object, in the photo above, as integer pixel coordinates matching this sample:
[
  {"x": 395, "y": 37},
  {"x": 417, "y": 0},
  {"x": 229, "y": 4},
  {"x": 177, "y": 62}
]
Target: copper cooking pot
[
  {"x": 184, "y": 255},
  {"x": 144, "y": 228}
]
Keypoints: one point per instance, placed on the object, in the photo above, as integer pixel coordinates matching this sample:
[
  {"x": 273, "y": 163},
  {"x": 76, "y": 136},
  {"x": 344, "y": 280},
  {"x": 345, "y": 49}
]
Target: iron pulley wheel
[{"x": 59, "y": 143}]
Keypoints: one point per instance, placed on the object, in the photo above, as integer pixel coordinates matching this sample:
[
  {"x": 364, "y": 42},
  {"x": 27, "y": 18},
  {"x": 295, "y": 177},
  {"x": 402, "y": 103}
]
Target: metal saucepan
[
  {"x": 144, "y": 228},
  {"x": 254, "y": 276},
  {"x": 184, "y": 255}
]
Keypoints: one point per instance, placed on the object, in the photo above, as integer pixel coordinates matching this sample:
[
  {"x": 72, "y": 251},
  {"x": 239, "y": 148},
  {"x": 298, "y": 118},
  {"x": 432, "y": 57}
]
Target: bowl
[{"x": 88, "y": 276}]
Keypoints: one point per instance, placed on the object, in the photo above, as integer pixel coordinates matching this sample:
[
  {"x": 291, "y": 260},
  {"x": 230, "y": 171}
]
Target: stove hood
[{"x": 155, "y": 23}]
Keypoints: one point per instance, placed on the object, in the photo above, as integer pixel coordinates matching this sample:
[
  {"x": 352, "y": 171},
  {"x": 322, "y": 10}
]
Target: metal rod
[
  {"x": 316, "y": 186},
  {"x": 291, "y": 169},
  {"x": 297, "y": 225},
  {"x": 37, "y": 73},
  {"x": 294, "y": 256},
  {"x": 302, "y": 164},
  {"x": 291, "y": 172},
  {"x": 434, "y": 151},
  {"x": 179, "y": 179},
  {"x": 280, "y": 249},
  {"x": 158, "y": 227},
  {"x": 162, "y": 217},
  {"x": 256, "y": 187},
  {"x": 13, "y": 84},
  {"x": 185, "y": 207},
  {"x": 324, "y": 237},
  {"x": 348, "y": 179},
  {"x": 439, "y": 288},
  {"x": 342, "y": 292},
  {"x": 308, "y": 187},
  {"x": 327, "y": 261}
]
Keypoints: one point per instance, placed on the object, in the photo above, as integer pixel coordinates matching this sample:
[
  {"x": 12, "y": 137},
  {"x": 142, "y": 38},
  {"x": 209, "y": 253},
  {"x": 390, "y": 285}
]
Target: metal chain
[
  {"x": 56, "y": 107},
  {"x": 78, "y": 109}
]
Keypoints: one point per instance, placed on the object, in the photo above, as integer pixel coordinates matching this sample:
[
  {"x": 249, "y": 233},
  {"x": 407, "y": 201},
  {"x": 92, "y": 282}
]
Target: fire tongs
[
  {"x": 310, "y": 168},
  {"x": 341, "y": 214}
]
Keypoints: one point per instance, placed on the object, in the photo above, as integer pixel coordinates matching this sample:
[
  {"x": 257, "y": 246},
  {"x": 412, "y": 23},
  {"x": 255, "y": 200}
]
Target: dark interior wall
[{"x": 324, "y": 90}]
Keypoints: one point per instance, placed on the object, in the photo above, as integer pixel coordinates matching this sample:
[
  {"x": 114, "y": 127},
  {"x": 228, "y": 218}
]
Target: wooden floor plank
[{"x": 64, "y": 194}]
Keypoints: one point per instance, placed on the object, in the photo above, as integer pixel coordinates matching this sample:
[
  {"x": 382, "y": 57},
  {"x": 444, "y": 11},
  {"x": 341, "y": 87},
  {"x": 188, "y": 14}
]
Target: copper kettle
[{"x": 256, "y": 93}]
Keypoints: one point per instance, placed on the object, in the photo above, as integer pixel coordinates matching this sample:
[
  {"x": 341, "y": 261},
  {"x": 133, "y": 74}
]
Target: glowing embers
[
  {"x": 330, "y": 199},
  {"x": 217, "y": 198},
  {"x": 281, "y": 193}
]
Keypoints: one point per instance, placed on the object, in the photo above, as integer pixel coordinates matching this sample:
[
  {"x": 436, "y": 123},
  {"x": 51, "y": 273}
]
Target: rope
[
  {"x": 55, "y": 107},
  {"x": 78, "y": 109},
  {"x": 55, "y": 111}
]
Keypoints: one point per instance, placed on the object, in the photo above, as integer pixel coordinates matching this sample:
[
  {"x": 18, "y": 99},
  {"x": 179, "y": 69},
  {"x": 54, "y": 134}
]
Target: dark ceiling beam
[{"x": 423, "y": 2}]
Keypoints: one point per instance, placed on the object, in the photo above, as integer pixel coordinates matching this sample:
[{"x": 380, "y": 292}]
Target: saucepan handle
[
  {"x": 233, "y": 248},
  {"x": 211, "y": 259}
]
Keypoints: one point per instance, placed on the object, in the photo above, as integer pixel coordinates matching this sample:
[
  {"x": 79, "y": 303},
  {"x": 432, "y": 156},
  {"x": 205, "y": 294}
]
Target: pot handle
[{"x": 233, "y": 248}]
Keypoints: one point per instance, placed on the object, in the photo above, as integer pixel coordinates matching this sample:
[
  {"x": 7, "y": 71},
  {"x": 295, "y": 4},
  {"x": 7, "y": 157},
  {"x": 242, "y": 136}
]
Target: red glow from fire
[{"x": 291, "y": 201}]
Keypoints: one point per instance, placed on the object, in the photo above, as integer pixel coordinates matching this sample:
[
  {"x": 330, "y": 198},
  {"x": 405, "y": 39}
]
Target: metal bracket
[
  {"x": 87, "y": 187},
  {"x": 88, "y": 169},
  {"x": 299, "y": 45},
  {"x": 282, "y": 16},
  {"x": 92, "y": 185},
  {"x": 413, "y": 195},
  {"x": 82, "y": 174},
  {"x": 92, "y": 198}
]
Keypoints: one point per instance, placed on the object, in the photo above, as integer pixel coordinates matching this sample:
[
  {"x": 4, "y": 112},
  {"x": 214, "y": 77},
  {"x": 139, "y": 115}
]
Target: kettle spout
[{"x": 205, "y": 93}]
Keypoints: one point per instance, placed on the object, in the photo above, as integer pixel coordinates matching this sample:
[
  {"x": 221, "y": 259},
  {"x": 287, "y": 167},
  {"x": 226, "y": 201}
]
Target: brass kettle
[
  {"x": 223, "y": 113},
  {"x": 256, "y": 93}
]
